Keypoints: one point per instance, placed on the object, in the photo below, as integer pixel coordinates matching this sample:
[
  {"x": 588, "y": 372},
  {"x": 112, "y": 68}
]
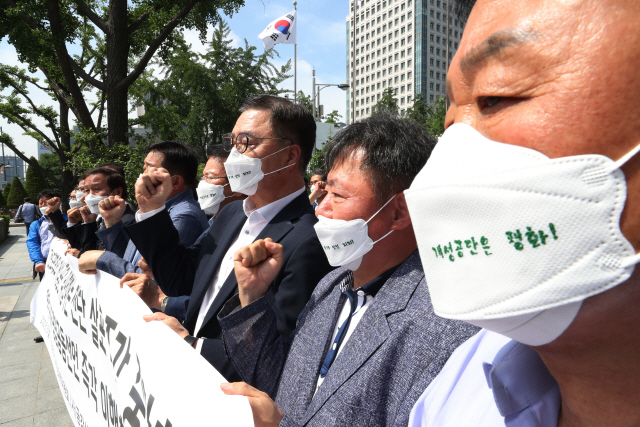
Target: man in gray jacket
[{"x": 368, "y": 342}]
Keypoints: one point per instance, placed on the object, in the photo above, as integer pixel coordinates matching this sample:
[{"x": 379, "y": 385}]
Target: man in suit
[
  {"x": 368, "y": 342},
  {"x": 143, "y": 283},
  {"x": 271, "y": 144},
  {"x": 121, "y": 255}
]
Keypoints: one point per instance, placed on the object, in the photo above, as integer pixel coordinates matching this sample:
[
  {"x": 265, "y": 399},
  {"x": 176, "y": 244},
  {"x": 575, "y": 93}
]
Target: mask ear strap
[
  {"x": 633, "y": 260},
  {"x": 388, "y": 201},
  {"x": 274, "y": 153},
  {"x": 278, "y": 170},
  {"x": 383, "y": 237},
  {"x": 627, "y": 157}
]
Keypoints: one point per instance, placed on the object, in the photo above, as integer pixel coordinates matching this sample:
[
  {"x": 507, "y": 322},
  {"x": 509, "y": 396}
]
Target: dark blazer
[
  {"x": 190, "y": 271},
  {"x": 83, "y": 236},
  {"x": 397, "y": 349}
]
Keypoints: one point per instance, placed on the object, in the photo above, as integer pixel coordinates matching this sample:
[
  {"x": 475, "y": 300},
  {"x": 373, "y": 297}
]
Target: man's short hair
[
  {"x": 321, "y": 172},
  {"x": 115, "y": 166},
  {"x": 178, "y": 159},
  {"x": 84, "y": 176},
  {"x": 218, "y": 152},
  {"x": 114, "y": 179},
  {"x": 48, "y": 194},
  {"x": 393, "y": 151},
  {"x": 27, "y": 199},
  {"x": 287, "y": 120}
]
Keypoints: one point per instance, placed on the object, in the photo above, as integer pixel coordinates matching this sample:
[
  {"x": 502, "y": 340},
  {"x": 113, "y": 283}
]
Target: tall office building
[{"x": 398, "y": 44}]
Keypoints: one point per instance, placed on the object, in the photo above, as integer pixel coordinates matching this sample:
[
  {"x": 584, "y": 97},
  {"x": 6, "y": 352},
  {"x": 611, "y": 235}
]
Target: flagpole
[{"x": 295, "y": 61}]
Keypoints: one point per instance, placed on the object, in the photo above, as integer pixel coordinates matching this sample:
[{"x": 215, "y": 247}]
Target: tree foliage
[
  {"x": 117, "y": 38},
  {"x": 332, "y": 117},
  {"x": 35, "y": 181},
  {"x": 387, "y": 104},
  {"x": 16, "y": 194},
  {"x": 305, "y": 100},
  {"x": 196, "y": 100},
  {"x": 430, "y": 116},
  {"x": 6, "y": 190}
]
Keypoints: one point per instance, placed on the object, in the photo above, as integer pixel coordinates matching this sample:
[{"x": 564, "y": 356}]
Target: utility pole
[
  {"x": 295, "y": 60},
  {"x": 313, "y": 93}
]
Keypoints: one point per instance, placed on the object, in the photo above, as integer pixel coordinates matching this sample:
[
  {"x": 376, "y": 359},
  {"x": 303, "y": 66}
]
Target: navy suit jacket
[
  {"x": 396, "y": 350},
  {"x": 189, "y": 271}
]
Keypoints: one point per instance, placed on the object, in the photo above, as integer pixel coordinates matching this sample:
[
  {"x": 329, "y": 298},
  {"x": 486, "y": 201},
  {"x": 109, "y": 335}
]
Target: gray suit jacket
[{"x": 396, "y": 350}]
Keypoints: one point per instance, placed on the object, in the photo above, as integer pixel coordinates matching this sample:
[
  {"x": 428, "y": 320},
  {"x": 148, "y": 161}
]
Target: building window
[
  {"x": 409, "y": 75},
  {"x": 402, "y": 77},
  {"x": 431, "y": 97},
  {"x": 378, "y": 96},
  {"x": 430, "y": 49},
  {"x": 395, "y": 80},
  {"x": 409, "y": 87},
  {"x": 438, "y": 87},
  {"x": 402, "y": 89},
  {"x": 402, "y": 100},
  {"x": 409, "y": 63},
  {"x": 431, "y": 73},
  {"x": 408, "y": 99},
  {"x": 431, "y": 85}
]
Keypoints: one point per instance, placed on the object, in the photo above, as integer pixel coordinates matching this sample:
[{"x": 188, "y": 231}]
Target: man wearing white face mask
[
  {"x": 40, "y": 236},
  {"x": 270, "y": 147},
  {"x": 535, "y": 236},
  {"x": 367, "y": 332}
]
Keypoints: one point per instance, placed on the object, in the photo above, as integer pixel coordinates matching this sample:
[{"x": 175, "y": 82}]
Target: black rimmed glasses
[
  {"x": 241, "y": 142},
  {"x": 208, "y": 178}
]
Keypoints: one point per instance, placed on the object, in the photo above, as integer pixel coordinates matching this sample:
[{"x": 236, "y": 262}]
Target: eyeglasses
[
  {"x": 241, "y": 142},
  {"x": 211, "y": 178}
]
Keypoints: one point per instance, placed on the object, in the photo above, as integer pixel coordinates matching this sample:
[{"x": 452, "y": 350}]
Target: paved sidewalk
[{"x": 29, "y": 392}]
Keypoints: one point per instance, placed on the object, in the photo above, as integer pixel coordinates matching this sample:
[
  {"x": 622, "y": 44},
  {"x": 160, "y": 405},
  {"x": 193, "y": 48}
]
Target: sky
[{"x": 321, "y": 45}]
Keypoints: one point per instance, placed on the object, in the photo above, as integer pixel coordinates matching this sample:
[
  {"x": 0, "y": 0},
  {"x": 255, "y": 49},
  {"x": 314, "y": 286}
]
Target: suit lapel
[
  {"x": 210, "y": 263},
  {"x": 372, "y": 330},
  {"x": 276, "y": 231}
]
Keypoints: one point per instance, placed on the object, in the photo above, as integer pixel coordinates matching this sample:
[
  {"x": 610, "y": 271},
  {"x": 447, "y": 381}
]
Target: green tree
[
  {"x": 430, "y": 116},
  {"x": 51, "y": 163},
  {"x": 6, "y": 190},
  {"x": 197, "y": 98},
  {"x": 35, "y": 181},
  {"x": 305, "y": 100},
  {"x": 387, "y": 104},
  {"x": 332, "y": 117},
  {"x": 16, "y": 194},
  {"x": 117, "y": 40}
]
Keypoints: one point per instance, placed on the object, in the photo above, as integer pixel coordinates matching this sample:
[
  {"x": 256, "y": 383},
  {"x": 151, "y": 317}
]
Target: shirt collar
[
  {"x": 518, "y": 378},
  {"x": 184, "y": 195},
  {"x": 269, "y": 211},
  {"x": 370, "y": 288}
]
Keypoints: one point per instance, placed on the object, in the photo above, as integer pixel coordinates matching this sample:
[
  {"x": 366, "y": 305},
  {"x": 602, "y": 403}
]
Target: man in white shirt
[
  {"x": 281, "y": 134},
  {"x": 543, "y": 132}
]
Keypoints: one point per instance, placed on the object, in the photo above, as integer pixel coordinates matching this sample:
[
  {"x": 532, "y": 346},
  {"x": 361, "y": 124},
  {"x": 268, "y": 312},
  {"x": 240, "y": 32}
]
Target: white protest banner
[{"x": 115, "y": 369}]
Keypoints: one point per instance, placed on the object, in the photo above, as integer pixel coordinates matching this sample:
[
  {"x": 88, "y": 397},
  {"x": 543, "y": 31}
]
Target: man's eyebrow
[{"x": 493, "y": 45}]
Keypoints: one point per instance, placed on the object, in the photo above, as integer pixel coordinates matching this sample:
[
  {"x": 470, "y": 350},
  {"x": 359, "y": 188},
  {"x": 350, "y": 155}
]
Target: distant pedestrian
[{"x": 27, "y": 212}]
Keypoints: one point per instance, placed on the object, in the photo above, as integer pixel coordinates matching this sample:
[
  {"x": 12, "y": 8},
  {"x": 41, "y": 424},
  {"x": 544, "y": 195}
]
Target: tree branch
[
  {"x": 141, "y": 19},
  {"x": 19, "y": 153},
  {"x": 93, "y": 17},
  {"x": 128, "y": 81},
  {"x": 26, "y": 124},
  {"x": 86, "y": 76}
]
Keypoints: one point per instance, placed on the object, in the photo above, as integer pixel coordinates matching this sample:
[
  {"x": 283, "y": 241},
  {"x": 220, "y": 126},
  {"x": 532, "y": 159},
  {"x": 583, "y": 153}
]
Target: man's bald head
[{"x": 556, "y": 76}]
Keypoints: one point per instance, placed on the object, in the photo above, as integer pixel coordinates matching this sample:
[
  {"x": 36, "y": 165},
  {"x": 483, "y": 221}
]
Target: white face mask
[
  {"x": 513, "y": 241},
  {"x": 79, "y": 195},
  {"x": 346, "y": 242},
  {"x": 74, "y": 204},
  {"x": 43, "y": 210},
  {"x": 210, "y": 196},
  {"x": 244, "y": 172},
  {"x": 92, "y": 203},
  {"x": 313, "y": 188}
]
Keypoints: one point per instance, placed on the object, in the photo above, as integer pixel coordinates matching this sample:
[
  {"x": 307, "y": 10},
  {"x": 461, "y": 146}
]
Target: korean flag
[{"x": 282, "y": 30}]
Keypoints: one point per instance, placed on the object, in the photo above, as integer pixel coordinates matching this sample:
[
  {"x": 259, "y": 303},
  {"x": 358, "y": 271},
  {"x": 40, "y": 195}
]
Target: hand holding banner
[{"x": 115, "y": 369}]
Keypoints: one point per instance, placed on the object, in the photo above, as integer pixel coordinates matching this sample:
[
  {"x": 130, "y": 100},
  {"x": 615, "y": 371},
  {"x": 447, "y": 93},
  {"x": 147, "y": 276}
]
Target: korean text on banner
[{"x": 115, "y": 369}]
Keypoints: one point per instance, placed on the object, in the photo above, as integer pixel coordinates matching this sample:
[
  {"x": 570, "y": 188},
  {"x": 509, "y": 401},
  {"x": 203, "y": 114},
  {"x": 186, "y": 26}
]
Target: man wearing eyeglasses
[{"x": 270, "y": 147}]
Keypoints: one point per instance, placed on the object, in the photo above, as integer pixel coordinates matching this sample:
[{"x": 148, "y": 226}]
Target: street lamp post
[{"x": 342, "y": 86}]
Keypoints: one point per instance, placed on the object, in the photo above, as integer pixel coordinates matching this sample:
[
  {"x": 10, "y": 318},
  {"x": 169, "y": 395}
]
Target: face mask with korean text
[
  {"x": 513, "y": 241},
  {"x": 244, "y": 172},
  {"x": 79, "y": 195},
  {"x": 74, "y": 203},
  {"x": 210, "y": 196},
  {"x": 346, "y": 242},
  {"x": 92, "y": 203}
]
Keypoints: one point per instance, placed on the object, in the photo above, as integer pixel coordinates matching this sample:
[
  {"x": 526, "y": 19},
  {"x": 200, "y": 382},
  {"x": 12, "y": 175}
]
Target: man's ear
[
  {"x": 118, "y": 192},
  {"x": 401, "y": 219},
  {"x": 177, "y": 182},
  {"x": 295, "y": 154}
]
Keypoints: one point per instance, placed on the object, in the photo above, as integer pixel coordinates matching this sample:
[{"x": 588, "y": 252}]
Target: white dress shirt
[
  {"x": 490, "y": 381},
  {"x": 257, "y": 220}
]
